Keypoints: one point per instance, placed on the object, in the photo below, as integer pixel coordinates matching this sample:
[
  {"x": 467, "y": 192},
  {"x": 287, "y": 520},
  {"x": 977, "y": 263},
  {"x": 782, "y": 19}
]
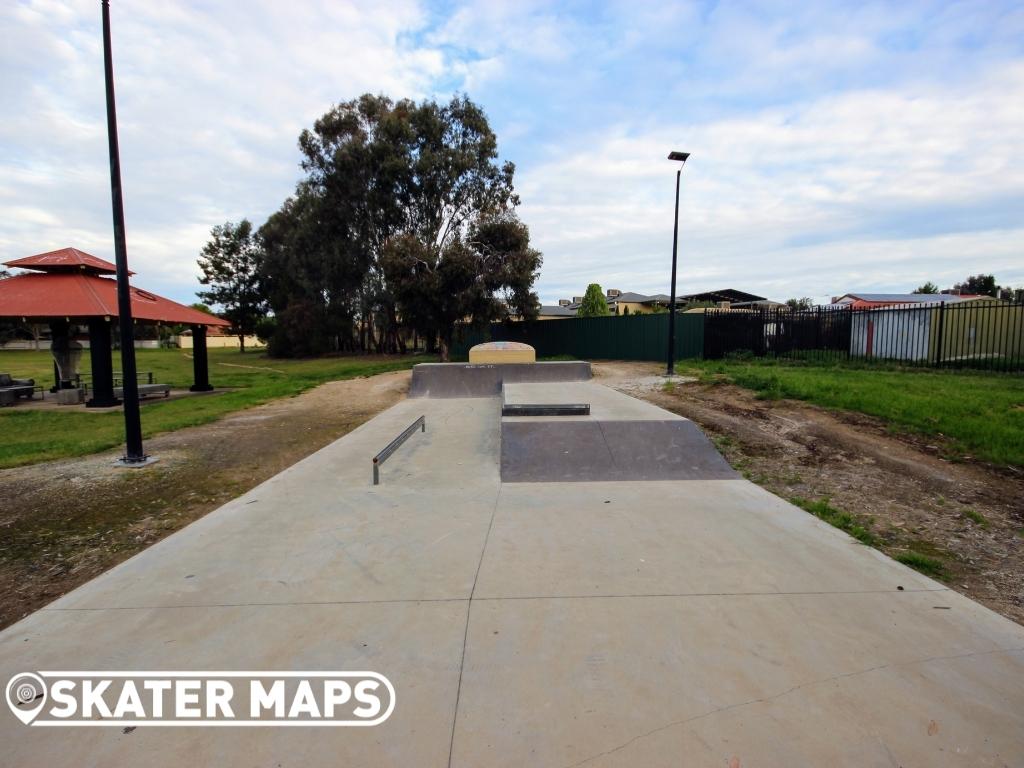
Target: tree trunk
[{"x": 241, "y": 343}]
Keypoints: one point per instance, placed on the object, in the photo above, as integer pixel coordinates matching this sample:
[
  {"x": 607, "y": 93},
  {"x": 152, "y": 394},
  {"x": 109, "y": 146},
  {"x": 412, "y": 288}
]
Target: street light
[
  {"x": 134, "y": 455},
  {"x": 681, "y": 157}
]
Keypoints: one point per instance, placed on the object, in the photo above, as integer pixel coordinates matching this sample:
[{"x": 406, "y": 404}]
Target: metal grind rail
[{"x": 395, "y": 444}]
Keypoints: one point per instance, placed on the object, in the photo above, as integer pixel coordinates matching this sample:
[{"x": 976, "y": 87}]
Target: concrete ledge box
[{"x": 502, "y": 352}]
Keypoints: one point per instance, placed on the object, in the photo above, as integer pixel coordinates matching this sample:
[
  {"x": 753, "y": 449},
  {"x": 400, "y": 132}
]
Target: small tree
[
  {"x": 928, "y": 287},
  {"x": 798, "y": 304},
  {"x": 230, "y": 263},
  {"x": 981, "y": 285},
  {"x": 594, "y": 303}
]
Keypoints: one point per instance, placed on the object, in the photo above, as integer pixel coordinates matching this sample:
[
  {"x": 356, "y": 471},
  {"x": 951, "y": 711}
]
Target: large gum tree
[{"x": 405, "y": 217}]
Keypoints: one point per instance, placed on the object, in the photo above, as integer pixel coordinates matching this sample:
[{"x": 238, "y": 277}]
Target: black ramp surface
[{"x": 586, "y": 451}]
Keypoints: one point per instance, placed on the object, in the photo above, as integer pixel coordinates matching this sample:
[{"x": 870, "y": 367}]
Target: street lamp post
[
  {"x": 134, "y": 454},
  {"x": 682, "y": 158}
]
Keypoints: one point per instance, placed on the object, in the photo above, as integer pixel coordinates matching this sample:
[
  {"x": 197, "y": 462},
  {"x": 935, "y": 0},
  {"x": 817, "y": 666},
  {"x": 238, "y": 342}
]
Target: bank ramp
[{"x": 621, "y": 438}]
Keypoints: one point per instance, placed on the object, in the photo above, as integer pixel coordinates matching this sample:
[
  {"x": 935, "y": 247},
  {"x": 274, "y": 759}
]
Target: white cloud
[
  {"x": 835, "y": 145},
  {"x": 839, "y": 171},
  {"x": 210, "y": 105}
]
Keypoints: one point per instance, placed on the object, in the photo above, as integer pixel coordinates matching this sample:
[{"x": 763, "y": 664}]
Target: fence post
[{"x": 942, "y": 323}]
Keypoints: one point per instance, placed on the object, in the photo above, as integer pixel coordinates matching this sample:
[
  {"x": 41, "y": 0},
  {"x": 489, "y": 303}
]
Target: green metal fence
[{"x": 633, "y": 337}]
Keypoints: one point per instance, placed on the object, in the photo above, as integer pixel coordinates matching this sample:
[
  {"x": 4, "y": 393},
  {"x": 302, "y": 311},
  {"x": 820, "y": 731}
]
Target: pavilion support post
[
  {"x": 102, "y": 365},
  {"x": 200, "y": 362},
  {"x": 60, "y": 338}
]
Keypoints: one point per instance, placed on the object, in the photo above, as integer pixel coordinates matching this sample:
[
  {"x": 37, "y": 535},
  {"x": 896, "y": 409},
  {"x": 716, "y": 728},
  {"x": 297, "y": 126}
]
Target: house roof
[
  {"x": 632, "y": 298},
  {"x": 66, "y": 260},
  {"x": 902, "y": 298},
  {"x": 556, "y": 310},
  {"x": 82, "y": 295},
  {"x": 724, "y": 294}
]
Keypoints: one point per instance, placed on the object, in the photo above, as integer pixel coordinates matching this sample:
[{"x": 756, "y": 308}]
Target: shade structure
[
  {"x": 69, "y": 286},
  {"x": 66, "y": 260}
]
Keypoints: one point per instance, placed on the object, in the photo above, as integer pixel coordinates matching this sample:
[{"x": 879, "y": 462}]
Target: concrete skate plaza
[{"x": 597, "y": 590}]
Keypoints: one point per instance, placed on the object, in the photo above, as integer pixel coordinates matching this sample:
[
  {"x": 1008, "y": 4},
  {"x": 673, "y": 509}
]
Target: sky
[{"x": 836, "y": 146}]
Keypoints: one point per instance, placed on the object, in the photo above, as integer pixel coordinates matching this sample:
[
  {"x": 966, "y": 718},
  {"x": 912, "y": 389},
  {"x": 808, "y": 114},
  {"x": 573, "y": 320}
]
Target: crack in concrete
[
  {"x": 465, "y": 633},
  {"x": 773, "y": 697}
]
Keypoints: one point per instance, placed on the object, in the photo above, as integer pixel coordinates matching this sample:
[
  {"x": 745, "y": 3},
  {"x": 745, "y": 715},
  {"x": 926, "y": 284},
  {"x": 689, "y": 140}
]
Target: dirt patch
[
  {"x": 64, "y": 522},
  {"x": 966, "y": 519}
]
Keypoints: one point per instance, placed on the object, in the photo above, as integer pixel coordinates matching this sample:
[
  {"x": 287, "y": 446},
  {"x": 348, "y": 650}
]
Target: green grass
[
  {"x": 980, "y": 414},
  {"x": 926, "y": 564},
  {"x": 31, "y": 436},
  {"x": 844, "y": 521},
  {"x": 976, "y": 516}
]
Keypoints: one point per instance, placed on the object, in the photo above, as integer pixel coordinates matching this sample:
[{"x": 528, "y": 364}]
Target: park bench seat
[
  {"x": 15, "y": 388},
  {"x": 147, "y": 389}
]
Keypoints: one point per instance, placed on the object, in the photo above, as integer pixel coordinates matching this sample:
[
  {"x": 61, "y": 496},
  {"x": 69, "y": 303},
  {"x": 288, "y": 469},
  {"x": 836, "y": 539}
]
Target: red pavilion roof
[
  {"x": 66, "y": 260},
  {"x": 84, "y": 294}
]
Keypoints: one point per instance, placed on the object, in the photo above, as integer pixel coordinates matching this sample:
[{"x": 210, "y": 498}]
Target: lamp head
[{"x": 680, "y": 156}]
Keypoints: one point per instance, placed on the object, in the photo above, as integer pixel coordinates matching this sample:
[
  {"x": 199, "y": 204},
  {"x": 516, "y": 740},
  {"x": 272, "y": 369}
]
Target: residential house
[
  {"x": 630, "y": 303},
  {"x": 874, "y": 300}
]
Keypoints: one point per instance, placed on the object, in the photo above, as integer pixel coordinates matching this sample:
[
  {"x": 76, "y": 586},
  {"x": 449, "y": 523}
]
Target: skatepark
[{"x": 550, "y": 573}]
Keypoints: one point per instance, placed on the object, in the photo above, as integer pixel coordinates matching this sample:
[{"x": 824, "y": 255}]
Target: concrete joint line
[
  {"x": 773, "y": 697},
  {"x": 192, "y": 606},
  {"x": 465, "y": 632}
]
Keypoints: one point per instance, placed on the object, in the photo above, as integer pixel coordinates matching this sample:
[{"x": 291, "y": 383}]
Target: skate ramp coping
[{"x": 486, "y": 380}]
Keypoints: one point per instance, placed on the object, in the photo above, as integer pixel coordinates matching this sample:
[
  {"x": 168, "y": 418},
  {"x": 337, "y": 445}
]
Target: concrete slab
[
  {"x": 699, "y": 622},
  {"x": 709, "y": 537},
  {"x": 850, "y": 680},
  {"x": 321, "y": 532},
  {"x": 407, "y": 641}
]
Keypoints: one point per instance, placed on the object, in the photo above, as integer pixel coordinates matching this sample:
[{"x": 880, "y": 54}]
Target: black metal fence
[{"x": 963, "y": 334}]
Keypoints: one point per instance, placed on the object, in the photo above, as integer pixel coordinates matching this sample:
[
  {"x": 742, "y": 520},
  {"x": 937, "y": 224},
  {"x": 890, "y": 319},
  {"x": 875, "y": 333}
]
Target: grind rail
[{"x": 395, "y": 444}]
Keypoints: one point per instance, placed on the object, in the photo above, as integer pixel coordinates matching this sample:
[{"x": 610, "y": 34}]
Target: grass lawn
[
  {"x": 981, "y": 414},
  {"x": 29, "y": 436}
]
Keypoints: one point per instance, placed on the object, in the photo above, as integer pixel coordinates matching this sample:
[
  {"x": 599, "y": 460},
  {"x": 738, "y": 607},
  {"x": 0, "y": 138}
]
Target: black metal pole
[
  {"x": 672, "y": 295},
  {"x": 129, "y": 382}
]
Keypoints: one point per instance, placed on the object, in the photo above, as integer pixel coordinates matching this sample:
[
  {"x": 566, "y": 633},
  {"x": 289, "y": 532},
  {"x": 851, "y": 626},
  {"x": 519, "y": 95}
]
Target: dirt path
[
  {"x": 968, "y": 516},
  {"x": 64, "y": 522}
]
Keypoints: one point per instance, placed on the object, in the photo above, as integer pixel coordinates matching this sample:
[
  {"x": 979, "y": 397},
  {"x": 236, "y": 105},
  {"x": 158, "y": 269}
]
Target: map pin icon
[{"x": 26, "y": 695}]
